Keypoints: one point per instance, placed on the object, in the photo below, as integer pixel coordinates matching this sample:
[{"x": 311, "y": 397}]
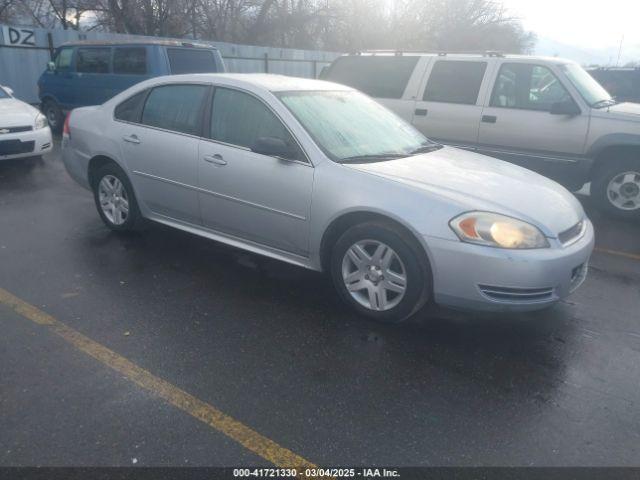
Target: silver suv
[{"x": 547, "y": 114}]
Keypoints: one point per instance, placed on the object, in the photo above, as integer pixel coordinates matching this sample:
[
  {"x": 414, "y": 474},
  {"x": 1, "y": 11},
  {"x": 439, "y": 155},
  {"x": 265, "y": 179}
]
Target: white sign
[{"x": 19, "y": 37}]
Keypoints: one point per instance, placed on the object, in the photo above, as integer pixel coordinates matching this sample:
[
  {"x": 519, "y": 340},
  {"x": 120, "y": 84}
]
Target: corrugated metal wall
[{"x": 20, "y": 67}]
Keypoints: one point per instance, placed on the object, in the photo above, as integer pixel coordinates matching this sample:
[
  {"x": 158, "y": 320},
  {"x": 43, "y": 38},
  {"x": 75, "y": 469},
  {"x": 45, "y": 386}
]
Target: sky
[{"x": 590, "y": 27}]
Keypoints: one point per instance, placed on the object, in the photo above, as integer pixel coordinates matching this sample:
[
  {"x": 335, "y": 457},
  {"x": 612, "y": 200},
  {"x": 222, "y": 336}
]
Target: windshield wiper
[
  {"x": 604, "y": 103},
  {"x": 432, "y": 147},
  {"x": 373, "y": 158}
]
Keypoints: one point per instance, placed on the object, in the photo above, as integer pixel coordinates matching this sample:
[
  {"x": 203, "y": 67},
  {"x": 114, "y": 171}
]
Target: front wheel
[
  {"x": 379, "y": 273},
  {"x": 54, "y": 115},
  {"x": 115, "y": 200},
  {"x": 616, "y": 187}
]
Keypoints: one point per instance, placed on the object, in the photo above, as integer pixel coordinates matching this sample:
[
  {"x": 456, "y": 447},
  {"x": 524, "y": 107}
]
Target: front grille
[
  {"x": 573, "y": 234},
  {"x": 15, "y": 147},
  {"x": 516, "y": 295},
  {"x": 4, "y": 130}
]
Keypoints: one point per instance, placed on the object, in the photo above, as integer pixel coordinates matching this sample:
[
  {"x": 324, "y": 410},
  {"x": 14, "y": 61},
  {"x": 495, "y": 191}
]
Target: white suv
[{"x": 547, "y": 114}]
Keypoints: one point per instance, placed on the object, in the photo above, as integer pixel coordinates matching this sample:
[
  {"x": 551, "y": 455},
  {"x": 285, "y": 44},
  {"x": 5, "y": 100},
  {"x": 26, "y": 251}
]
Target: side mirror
[
  {"x": 51, "y": 66},
  {"x": 565, "y": 108},
  {"x": 272, "y": 147}
]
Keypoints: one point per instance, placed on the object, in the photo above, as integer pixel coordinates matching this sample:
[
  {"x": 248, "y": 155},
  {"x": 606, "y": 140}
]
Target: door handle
[
  {"x": 421, "y": 112},
  {"x": 489, "y": 118},
  {"x": 131, "y": 139},
  {"x": 215, "y": 159}
]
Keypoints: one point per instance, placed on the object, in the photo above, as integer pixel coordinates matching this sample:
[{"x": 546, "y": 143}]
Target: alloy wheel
[
  {"x": 114, "y": 200},
  {"x": 374, "y": 275}
]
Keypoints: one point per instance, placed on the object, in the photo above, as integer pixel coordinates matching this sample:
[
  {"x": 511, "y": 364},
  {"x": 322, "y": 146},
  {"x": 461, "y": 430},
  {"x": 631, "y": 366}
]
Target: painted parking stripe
[
  {"x": 244, "y": 435},
  {"x": 632, "y": 256}
]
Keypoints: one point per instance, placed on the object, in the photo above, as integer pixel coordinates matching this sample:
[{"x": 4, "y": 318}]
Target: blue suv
[{"x": 90, "y": 73}]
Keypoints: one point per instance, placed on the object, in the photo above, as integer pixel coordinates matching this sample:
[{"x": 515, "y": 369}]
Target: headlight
[
  {"x": 41, "y": 121},
  {"x": 496, "y": 230}
]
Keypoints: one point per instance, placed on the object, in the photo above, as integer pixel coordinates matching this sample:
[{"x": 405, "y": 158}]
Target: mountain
[{"x": 604, "y": 56}]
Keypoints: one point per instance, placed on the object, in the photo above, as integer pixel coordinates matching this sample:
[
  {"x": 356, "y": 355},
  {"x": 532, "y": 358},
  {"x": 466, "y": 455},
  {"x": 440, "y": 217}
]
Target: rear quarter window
[
  {"x": 381, "y": 77},
  {"x": 188, "y": 60},
  {"x": 455, "y": 82}
]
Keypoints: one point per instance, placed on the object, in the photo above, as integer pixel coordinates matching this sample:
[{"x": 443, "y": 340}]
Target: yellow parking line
[
  {"x": 244, "y": 435},
  {"x": 632, "y": 256}
]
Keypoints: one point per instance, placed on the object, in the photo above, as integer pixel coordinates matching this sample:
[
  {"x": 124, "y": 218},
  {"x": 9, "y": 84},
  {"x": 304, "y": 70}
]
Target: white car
[{"x": 24, "y": 131}]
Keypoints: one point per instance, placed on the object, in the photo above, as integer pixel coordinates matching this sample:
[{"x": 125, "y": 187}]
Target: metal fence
[{"x": 25, "y": 51}]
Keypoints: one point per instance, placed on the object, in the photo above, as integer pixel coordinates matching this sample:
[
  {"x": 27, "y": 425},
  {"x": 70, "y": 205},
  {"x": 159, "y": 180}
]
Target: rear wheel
[
  {"x": 115, "y": 200},
  {"x": 378, "y": 272},
  {"x": 54, "y": 115},
  {"x": 616, "y": 187}
]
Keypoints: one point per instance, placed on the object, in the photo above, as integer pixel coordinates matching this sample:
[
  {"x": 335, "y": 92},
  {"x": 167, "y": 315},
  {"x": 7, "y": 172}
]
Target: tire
[
  {"x": 616, "y": 187},
  {"x": 367, "y": 281},
  {"x": 115, "y": 200},
  {"x": 54, "y": 115}
]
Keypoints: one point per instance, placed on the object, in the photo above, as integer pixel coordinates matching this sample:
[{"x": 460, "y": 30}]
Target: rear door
[
  {"x": 159, "y": 132},
  {"x": 517, "y": 124},
  {"x": 130, "y": 66},
  {"x": 93, "y": 72},
  {"x": 449, "y": 107}
]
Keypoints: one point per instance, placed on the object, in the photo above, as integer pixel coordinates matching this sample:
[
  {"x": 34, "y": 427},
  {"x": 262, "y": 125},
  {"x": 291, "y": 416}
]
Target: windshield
[
  {"x": 3, "y": 94},
  {"x": 348, "y": 125},
  {"x": 593, "y": 93}
]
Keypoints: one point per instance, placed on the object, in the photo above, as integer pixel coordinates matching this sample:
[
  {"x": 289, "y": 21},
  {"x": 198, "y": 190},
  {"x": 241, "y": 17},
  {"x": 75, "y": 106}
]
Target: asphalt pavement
[{"x": 271, "y": 346}]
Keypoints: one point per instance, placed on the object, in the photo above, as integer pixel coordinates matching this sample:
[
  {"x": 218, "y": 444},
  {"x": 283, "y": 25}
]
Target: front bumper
[
  {"x": 25, "y": 144},
  {"x": 474, "y": 277}
]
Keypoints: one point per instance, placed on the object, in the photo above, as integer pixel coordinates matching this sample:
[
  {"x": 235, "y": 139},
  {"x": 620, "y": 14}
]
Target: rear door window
[
  {"x": 175, "y": 107},
  {"x": 377, "y": 76},
  {"x": 130, "y": 60},
  {"x": 93, "y": 60},
  {"x": 186, "y": 60},
  {"x": 455, "y": 82}
]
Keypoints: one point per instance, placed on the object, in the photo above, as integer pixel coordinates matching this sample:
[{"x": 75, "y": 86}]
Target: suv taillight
[{"x": 65, "y": 129}]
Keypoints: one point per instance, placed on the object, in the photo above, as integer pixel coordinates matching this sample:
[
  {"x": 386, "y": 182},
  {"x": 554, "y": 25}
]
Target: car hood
[
  {"x": 14, "y": 113},
  {"x": 477, "y": 182}
]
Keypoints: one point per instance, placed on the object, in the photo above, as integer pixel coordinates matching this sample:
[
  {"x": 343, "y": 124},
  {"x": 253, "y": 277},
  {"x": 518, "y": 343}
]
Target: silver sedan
[{"x": 321, "y": 176}]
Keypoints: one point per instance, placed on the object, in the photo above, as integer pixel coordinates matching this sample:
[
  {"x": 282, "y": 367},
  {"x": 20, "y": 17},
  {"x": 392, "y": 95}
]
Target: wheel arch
[
  {"x": 96, "y": 163},
  {"x": 346, "y": 220},
  {"x": 624, "y": 146}
]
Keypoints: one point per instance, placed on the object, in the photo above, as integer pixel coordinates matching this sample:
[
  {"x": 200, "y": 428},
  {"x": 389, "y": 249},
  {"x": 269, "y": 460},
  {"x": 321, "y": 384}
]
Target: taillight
[{"x": 65, "y": 129}]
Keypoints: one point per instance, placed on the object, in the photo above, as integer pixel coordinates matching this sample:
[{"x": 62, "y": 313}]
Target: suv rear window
[
  {"x": 130, "y": 60},
  {"x": 93, "y": 60},
  {"x": 382, "y": 77},
  {"x": 185, "y": 60},
  {"x": 455, "y": 82}
]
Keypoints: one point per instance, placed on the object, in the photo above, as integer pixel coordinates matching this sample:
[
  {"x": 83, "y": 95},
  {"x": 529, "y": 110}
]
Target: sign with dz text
[{"x": 19, "y": 37}]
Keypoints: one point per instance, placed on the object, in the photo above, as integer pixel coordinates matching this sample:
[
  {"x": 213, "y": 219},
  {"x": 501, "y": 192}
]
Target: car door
[
  {"x": 518, "y": 124},
  {"x": 94, "y": 78},
  {"x": 130, "y": 66},
  {"x": 160, "y": 145},
  {"x": 256, "y": 197},
  {"x": 450, "y": 107}
]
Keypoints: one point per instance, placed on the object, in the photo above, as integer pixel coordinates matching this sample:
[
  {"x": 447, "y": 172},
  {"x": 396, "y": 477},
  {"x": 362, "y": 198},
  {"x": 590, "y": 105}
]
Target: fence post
[
  {"x": 266, "y": 62},
  {"x": 315, "y": 69},
  {"x": 51, "y": 47}
]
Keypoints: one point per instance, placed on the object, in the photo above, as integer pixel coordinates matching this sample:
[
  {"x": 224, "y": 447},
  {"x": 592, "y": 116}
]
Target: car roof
[
  {"x": 143, "y": 41},
  {"x": 264, "y": 81},
  {"x": 459, "y": 56}
]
